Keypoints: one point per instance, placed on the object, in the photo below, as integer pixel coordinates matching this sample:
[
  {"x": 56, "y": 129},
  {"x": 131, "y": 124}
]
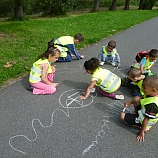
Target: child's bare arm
[
  {"x": 92, "y": 84},
  {"x": 140, "y": 136}
]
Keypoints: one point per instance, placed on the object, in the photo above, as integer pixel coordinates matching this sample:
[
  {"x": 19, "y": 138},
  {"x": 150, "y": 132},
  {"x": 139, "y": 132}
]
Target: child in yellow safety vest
[
  {"x": 107, "y": 81},
  {"x": 146, "y": 108},
  {"x": 134, "y": 81},
  {"x": 109, "y": 54},
  {"x": 42, "y": 73},
  {"x": 147, "y": 62}
]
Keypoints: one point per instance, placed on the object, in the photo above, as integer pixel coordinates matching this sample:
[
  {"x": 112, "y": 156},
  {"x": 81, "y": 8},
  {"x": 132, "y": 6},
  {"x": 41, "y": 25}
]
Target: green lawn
[{"x": 22, "y": 42}]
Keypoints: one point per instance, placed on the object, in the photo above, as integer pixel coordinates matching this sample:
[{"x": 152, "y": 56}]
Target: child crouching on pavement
[
  {"x": 146, "y": 108},
  {"x": 105, "y": 79},
  {"x": 109, "y": 54},
  {"x": 134, "y": 81}
]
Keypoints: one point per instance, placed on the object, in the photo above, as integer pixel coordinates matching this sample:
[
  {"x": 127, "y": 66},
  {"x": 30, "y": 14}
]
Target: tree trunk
[
  {"x": 18, "y": 11},
  {"x": 127, "y": 5},
  {"x": 113, "y": 5},
  {"x": 96, "y": 5},
  {"x": 141, "y": 4}
]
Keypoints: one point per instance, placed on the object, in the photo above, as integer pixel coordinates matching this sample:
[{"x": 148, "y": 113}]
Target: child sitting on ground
[
  {"x": 42, "y": 73},
  {"x": 106, "y": 80},
  {"x": 134, "y": 81},
  {"x": 146, "y": 108},
  {"x": 109, "y": 53},
  {"x": 147, "y": 62}
]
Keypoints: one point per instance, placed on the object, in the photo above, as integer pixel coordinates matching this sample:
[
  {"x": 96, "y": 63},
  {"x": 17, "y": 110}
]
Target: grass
[{"x": 22, "y": 42}]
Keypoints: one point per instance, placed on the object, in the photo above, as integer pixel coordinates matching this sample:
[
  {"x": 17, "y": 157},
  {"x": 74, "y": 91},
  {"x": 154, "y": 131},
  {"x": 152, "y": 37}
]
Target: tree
[
  {"x": 18, "y": 10},
  {"x": 146, "y": 4},
  {"x": 96, "y": 5},
  {"x": 113, "y": 5},
  {"x": 127, "y": 5}
]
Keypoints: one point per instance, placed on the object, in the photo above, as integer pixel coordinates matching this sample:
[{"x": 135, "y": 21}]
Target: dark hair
[
  {"x": 79, "y": 37},
  {"x": 134, "y": 72},
  {"x": 152, "y": 81},
  {"x": 91, "y": 64},
  {"x": 153, "y": 53},
  {"x": 112, "y": 44},
  {"x": 51, "y": 50}
]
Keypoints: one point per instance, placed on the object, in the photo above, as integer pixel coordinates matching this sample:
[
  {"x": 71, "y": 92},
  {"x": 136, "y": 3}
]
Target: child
[
  {"x": 66, "y": 45},
  {"x": 146, "y": 108},
  {"x": 147, "y": 62},
  {"x": 134, "y": 76},
  {"x": 106, "y": 80},
  {"x": 42, "y": 73},
  {"x": 109, "y": 52}
]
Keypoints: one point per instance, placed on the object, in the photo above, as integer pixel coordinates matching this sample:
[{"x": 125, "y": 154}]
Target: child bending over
[
  {"x": 106, "y": 80},
  {"x": 146, "y": 108},
  {"x": 42, "y": 73},
  {"x": 147, "y": 62},
  {"x": 134, "y": 81}
]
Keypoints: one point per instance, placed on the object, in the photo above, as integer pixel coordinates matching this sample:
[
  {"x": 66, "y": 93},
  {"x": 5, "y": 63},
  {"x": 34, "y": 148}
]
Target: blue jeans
[
  {"x": 68, "y": 58},
  {"x": 104, "y": 58}
]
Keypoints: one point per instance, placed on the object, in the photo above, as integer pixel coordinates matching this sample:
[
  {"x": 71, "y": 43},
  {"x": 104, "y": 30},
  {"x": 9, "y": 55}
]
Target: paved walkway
[{"x": 62, "y": 126}]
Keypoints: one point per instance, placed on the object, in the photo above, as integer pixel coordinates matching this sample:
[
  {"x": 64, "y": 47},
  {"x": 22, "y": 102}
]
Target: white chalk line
[{"x": 36, "y": 119}]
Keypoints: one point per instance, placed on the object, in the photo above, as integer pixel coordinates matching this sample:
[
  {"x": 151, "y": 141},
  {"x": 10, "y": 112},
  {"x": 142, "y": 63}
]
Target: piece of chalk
[{"x": 124, "y": 109}]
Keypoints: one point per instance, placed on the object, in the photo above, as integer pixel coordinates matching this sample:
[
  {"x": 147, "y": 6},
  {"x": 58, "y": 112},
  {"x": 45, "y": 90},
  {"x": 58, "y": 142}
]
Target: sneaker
[
  {"x": 29, "y": 88},
  {"x": 102, "y": 63},
  {"x": 147, "y": 129},
  {"x": 119, "y": 97},
  {"x": 113, "y": 64}
]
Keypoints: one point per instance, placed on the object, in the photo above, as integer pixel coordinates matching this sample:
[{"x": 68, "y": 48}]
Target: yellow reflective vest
[
  {"x": 109, "y": 81},
  {"x": 142, "y": 111},
  {"x": 139, "y": 84},
  {"x": 147, "y": 65},
  {"x": 61, "y": 43},
  {"x": 36, "y": 72},
  {"x": 108, "y": 54}
]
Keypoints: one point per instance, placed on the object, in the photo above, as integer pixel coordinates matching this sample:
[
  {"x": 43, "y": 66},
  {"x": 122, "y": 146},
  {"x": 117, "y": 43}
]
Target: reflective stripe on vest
[
  {"x": 35, "y": 73},
  {"x": 109, "y": 81},
  {"x": 142, "y": 111},
  {"x": 109, "y": 54},
  {"x": 61, "y": 43}
]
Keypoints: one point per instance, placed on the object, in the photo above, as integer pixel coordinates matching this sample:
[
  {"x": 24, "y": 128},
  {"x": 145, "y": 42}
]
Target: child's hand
[
  {"x": 55, "y": 84},
  {"x": 82, "y": 97},
  {"x": 53, "y": 69},
  {"x": 118, "y": 66},
  {"x": 140, "y": 137},
  {"x": 82, "y": 56}
]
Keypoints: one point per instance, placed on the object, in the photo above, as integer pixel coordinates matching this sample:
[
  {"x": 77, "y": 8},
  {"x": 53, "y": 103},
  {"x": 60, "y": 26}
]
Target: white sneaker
[
  {"x": 113, "y": 64},
  {"x": 93, "y": 90},
  {"x": 102, "y": 63},
  {"x": 119, "y": 97}
]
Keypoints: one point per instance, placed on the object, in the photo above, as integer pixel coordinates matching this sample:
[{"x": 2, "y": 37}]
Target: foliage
[
  {"x": 148, "y": 4},
  {"x": 56, "y": 7}
]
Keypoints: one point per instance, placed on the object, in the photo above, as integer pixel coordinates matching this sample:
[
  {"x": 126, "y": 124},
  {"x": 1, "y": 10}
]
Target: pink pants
[
  {"x": 42, "y": 88},
  {"x": 109, "y": 95}
]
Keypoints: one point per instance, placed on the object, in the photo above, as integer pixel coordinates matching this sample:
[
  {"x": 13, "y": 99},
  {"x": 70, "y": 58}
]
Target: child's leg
[
  {"x": 68, "y": 58},
  {"x": 109, "y": 95},
  {"x": 103, "y": 57},
  {"x": 42, "y": 88},
  {"x": 131, "y": 119}
]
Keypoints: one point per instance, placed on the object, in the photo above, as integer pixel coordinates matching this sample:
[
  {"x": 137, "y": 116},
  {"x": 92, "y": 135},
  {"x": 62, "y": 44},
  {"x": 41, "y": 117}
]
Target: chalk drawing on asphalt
[{"x": 71, "y": 97}]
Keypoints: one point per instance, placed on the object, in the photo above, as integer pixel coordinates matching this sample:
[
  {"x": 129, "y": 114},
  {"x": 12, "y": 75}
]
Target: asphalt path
[{"x": 63, "y": 126}]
